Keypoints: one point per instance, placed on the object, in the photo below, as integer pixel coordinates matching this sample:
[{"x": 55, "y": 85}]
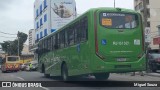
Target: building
[
  {"x": 152, "y": 16},
  {"x": 25, "y": 50},
  {"x": 31, "y": 37},
  {"x": 49, "y": 15}
]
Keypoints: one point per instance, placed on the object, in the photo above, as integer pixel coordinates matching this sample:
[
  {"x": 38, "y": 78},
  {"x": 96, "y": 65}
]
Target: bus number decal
[
  {"x": 126, "y": 43},
  {"x": 107, "y": 22}
]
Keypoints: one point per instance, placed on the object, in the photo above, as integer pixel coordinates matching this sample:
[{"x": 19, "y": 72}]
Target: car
[
  {"x": 34, "y": 66},
  {"x": 154, "y": 61},
  {"x": 23, "y": 66}
]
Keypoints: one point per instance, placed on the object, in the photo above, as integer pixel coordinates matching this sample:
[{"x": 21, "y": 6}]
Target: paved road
[{"x": 36, "y": 76}]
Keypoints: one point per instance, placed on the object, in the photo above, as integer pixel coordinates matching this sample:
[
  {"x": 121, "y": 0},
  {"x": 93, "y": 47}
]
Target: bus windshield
[
  {"x": 119, "y": 20},
  {"x": 13, "y": 59}
]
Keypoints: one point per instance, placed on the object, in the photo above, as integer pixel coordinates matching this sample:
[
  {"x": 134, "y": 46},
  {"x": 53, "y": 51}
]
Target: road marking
[
  {"x": 45, "y": 88},
  {"x": 17, "y": 77},
  {"x": 20, "y": 78}
]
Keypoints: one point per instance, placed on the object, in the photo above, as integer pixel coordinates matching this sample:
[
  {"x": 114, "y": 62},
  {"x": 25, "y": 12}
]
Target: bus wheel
[
  {"x": 43, "y": 71},
  {"x": 101, "y": 76},
  {"x": 64, "y": 72}
]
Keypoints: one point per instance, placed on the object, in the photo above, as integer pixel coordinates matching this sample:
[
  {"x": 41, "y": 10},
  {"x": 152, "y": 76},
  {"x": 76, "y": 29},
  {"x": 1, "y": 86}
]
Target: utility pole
[
  {"x": 145, "y": 13},
  {"x": 145, "y": 25},
  {"x": 18, "y": 42}
]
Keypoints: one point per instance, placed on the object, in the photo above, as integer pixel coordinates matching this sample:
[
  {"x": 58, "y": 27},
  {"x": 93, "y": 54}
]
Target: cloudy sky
[{"x": 17, "y": 15}]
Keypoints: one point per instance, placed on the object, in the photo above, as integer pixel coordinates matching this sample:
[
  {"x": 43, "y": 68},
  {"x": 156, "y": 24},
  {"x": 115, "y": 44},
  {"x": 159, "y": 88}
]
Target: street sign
[
  {"x": 147, "y": 31},
  {"x": 148, "y": 34}
]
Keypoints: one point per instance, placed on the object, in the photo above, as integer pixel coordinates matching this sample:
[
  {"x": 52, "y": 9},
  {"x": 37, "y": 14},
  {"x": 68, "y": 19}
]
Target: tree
[
  {"x": 11, "y": 47},
  {"x": 5, "y": 46}
]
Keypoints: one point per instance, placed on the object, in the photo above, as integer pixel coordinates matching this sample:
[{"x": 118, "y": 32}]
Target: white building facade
[
  {"x": 50, "y": 15},
  {"x": 31, "y": 37},
  {"x": 153, "y": 18}
]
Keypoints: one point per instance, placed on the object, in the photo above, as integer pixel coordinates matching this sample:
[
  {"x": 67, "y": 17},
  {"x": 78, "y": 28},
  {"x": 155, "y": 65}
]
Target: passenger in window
[{"x": 128, "y": 20}]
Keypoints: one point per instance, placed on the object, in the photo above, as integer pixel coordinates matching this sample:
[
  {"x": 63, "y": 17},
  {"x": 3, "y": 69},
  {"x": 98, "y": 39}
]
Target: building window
[
  {"x": 45, "y": 4},
  {"x": 148, "y": 13},
  {"x": 41, "y": 9},
  {"x": 37, "y": 25},
  {"x": 148, "y": 24},
  {"x": 37, "y": 36},
  {"x": 41, "y": 23},
  {"x": 45, "y": 32},
  {"x": 45, "y": 17},
  {"x": 37, "y": 13},
  {"x": 41, "y": 35}
]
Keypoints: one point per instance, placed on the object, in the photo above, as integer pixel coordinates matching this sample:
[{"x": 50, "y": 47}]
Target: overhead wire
[
  {"x": 8, "y": 37},
  {"x": 7, "y": 33}
]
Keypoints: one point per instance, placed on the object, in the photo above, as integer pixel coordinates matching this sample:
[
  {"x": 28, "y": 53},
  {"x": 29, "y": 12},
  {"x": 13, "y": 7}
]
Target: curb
[{"x": 152, "y": 74}]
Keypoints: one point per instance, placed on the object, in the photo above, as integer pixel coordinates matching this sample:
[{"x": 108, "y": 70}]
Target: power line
[
  {"x": 7, "y": 37},
  {"x": 7, "y": 33}
]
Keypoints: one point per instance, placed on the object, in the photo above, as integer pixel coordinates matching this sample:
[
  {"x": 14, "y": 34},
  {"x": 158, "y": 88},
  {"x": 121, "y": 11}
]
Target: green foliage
[
  {"x": 11, "y": 47},
  {"x": 5, "y": 45}
]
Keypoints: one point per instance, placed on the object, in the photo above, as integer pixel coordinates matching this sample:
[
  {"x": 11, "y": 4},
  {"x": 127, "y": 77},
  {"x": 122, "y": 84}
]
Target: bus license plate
[{"x": 121, "y": 59}]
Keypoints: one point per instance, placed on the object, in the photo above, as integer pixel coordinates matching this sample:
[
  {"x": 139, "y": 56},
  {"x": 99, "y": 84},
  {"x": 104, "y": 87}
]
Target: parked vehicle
[
  {"x": 23, "y": 66},
  {"x": 31, "y": 66},
  {"x": 34, "y": 67},
  {"x": 154, "y": 61}
]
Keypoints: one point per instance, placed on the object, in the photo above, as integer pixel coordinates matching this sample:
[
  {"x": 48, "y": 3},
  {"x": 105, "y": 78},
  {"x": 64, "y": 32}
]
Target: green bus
[{"x": 99, "y": 42}]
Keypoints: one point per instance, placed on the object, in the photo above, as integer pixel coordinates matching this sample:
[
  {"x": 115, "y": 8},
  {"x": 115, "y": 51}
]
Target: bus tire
[
  {"x": 64, "y": 72},
  {"x": 101, "y": 76}
]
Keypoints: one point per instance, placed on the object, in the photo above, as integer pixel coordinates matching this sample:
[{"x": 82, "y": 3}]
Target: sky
[{"x": 18, "y": 15}]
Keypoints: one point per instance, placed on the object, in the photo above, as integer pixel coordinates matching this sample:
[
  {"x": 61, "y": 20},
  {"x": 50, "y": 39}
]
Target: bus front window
[
  {"x": 119, "y": 20},
  {"x": 13, "y": 58}
]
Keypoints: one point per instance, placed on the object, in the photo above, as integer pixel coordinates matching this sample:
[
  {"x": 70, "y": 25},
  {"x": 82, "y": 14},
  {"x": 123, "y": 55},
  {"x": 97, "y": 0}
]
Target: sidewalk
[
  {"x": 137, "y": 73},
  {"x": 153, "y": 74},
  {"x": 149, "y": 74}
]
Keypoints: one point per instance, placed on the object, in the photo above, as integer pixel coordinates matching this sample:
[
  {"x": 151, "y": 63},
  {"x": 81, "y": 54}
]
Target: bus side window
[
  {"x": 62, "y": 39},
  {"x": 84, "y": 29},
  {"x": 53, "y": 43},
  {"x": 66, "y": 37},
  {"x": 77, "y": 32},
  {"x": 56, "y": 42},
  {"x": 71, "y": 36}
]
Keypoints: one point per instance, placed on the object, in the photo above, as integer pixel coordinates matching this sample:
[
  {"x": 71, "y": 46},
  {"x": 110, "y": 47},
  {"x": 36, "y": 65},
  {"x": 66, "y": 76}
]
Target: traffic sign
[{"x": 147, "y": 31}]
